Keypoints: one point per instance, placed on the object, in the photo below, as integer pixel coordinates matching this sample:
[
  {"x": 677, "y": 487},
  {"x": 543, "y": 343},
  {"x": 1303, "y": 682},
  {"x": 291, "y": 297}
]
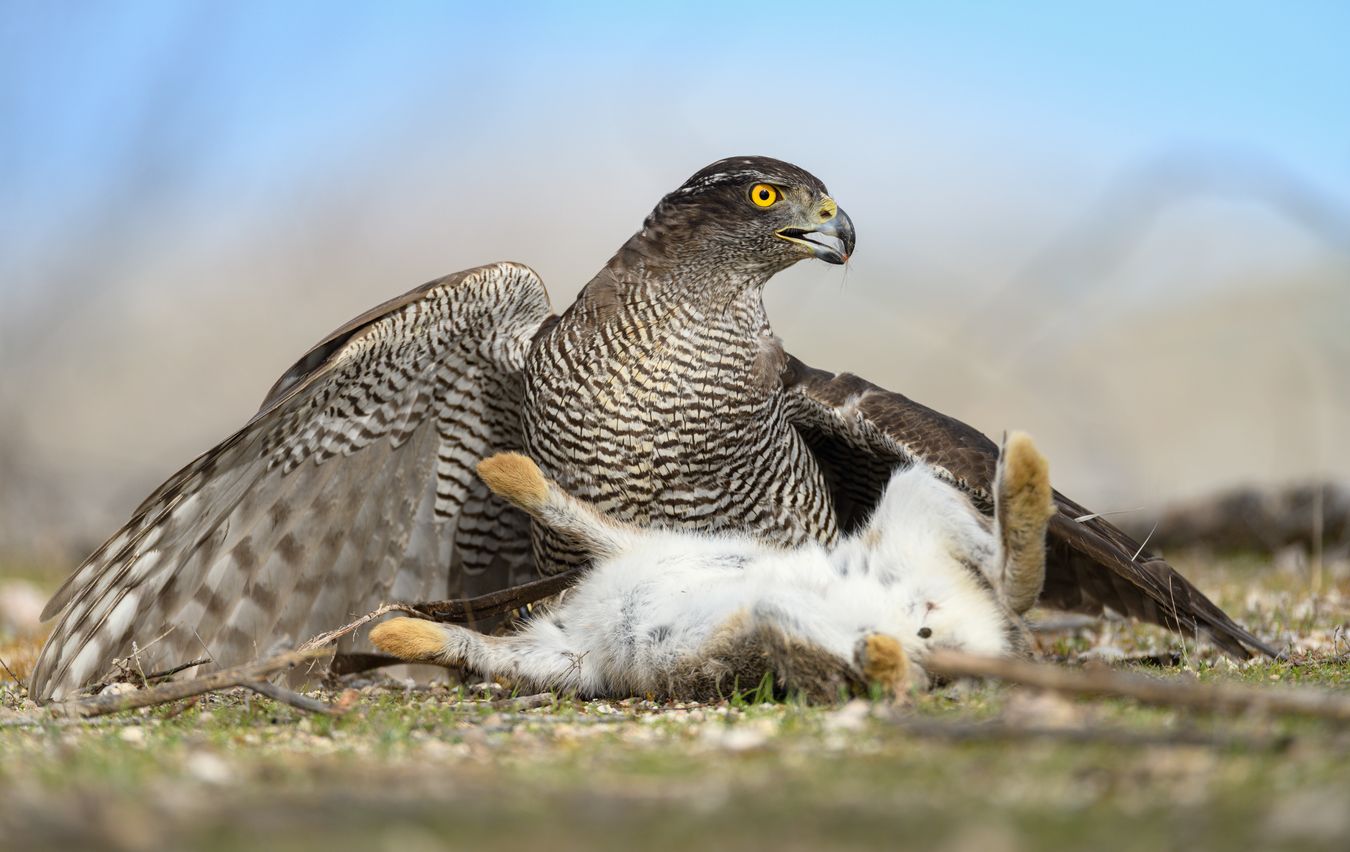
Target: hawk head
[{"x": 757, "y": 214}]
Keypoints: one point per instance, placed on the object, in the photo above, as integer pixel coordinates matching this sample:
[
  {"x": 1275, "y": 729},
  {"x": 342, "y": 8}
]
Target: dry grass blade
[{"x": 1217, "y": 697}]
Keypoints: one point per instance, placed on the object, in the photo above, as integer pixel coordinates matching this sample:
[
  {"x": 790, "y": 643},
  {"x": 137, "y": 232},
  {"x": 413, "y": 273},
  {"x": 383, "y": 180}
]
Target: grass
[{"x": 436, "y": 768}]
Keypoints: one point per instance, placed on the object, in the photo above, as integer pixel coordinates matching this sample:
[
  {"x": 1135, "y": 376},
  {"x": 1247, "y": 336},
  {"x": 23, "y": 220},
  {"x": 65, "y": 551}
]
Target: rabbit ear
[{"x": 1023, "y": 506}]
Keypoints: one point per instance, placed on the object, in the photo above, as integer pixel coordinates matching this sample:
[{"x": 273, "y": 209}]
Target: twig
[
  {"x": 123, "y": 667},
  {"x": 333, "y": 635},
  {"x": 294, "y": 699},
  {"x": 246, "y": 675},
  {"x": 1218, "y": 697},
  {"x": 10, "y": 672},
  {"x": 176, "y": 669},
  {"x": 49, "y": 722},
  {"x": 136, "y": 658}
]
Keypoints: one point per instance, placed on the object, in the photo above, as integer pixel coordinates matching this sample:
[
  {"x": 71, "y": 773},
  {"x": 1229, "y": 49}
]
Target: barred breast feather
[{"x": 663, "y": 412}]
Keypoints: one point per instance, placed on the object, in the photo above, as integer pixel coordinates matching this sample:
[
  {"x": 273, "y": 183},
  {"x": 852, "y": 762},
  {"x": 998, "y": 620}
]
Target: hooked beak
[{"x": 829, "y": 238}]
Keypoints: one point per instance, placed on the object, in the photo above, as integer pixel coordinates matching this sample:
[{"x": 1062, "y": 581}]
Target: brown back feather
[{"x": 861, "y": 432}]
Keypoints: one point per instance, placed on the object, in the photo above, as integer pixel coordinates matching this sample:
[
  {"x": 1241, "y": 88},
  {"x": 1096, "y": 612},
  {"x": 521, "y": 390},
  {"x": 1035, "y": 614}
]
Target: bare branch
[
  {"x": 247, "y": 675},
  {"x": 1216, "y": 697},
  {"x": 176, "y": 669},
  {"x": 294, "y": 699}
]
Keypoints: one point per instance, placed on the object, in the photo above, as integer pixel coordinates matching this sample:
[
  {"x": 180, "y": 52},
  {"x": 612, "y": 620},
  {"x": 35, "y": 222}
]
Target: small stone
[
  {"x": 738, "y": 738},
  {"x": 735, "y": 739},
  {"x": 851, "y": 717},
  {"x": 208, "y": 768}
]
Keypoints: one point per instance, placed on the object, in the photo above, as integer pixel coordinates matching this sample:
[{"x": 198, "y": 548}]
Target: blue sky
[
  {"x": 154, "y": 124},
  {"x": 179, "y": 177},
  {"x": 272, "y": 84}
]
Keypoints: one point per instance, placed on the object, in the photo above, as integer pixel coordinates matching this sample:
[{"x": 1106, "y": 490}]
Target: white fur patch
[{"x": 655, "y": 604}]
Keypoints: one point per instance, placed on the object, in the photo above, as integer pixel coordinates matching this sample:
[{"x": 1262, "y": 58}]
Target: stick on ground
[
  {"x": 250, "y": 675},
  {"x": 1216, "y": 697}
]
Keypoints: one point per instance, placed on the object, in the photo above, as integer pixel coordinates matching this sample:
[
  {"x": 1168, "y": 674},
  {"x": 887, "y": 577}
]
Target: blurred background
[{"x": 1126, "y": 231}]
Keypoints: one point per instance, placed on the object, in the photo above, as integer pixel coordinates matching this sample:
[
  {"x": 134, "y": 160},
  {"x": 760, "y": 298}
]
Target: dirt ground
[{"x": 971, "y": 766}]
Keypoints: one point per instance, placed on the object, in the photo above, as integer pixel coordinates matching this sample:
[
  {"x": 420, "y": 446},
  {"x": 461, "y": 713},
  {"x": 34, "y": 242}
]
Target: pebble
[
  {"x": 738, "y": 738},
  {"x": 851, "y": 717},
  {"x": 208, "y": 768}
]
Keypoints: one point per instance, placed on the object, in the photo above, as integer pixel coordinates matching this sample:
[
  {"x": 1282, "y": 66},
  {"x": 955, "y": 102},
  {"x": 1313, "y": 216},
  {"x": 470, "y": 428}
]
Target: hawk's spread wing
[
  {"x": 353, "y": 485},
  {"x": 859, "y": 433}
]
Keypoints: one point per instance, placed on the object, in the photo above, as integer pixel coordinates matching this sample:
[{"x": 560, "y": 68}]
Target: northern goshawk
[{"x": 661, "y": 395}]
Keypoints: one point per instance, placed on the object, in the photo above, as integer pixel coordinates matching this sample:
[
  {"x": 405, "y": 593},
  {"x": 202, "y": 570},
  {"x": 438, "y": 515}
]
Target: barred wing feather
[
  {"x": 354, "y": 484},
  {"x": 859, "y": 432}
]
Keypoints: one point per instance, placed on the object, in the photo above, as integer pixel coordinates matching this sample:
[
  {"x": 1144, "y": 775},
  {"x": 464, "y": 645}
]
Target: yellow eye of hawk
[{"x": 763, "y": 195}]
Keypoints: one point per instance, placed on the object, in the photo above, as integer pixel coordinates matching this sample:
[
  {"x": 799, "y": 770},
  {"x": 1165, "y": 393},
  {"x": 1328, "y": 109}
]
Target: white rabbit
[{"x": 677, "y": 614}]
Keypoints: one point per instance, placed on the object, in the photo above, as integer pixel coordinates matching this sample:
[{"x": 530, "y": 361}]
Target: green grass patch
[{"x": 431, "y": 768}]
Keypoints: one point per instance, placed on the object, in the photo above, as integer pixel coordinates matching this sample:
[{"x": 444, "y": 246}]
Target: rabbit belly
[{"x": 683, "y": 622}]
